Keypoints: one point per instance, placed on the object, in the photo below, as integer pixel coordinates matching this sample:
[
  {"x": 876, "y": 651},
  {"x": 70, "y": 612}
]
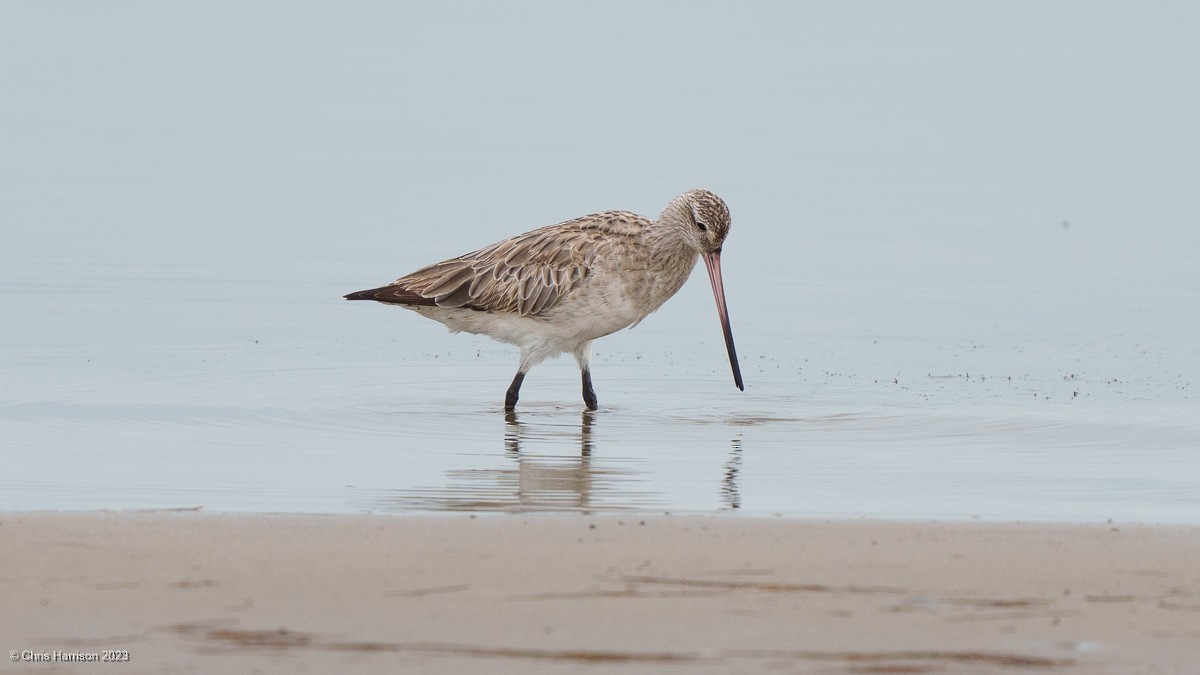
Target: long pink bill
[{"x": 713, "y": 262}]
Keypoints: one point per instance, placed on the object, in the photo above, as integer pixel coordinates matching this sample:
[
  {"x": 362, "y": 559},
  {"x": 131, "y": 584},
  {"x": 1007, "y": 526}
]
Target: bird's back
[{"x": 527, "y": 275}]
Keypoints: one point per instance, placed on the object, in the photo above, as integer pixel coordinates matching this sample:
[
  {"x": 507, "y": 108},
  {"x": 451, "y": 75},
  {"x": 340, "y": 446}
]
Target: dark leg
[
  {"x": 514, "y": 390},
  {"x": 589, "y": 394}
]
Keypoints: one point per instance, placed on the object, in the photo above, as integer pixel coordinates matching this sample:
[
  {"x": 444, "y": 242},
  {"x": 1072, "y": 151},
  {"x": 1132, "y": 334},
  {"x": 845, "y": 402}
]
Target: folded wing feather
[{"x": 527, "y": 274}]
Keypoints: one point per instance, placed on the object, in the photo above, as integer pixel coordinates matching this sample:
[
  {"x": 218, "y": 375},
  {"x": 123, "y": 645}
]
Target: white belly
[{"x": 606, "y": 303}]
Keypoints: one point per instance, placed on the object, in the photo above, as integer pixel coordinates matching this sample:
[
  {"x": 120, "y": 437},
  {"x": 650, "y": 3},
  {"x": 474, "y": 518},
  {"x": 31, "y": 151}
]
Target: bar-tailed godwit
[{"x": 556, "y": 289}]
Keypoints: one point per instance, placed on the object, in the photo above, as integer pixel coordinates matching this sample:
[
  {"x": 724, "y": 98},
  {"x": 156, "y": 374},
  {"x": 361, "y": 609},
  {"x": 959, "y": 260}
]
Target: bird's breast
[{"x": 621, "y": 293}]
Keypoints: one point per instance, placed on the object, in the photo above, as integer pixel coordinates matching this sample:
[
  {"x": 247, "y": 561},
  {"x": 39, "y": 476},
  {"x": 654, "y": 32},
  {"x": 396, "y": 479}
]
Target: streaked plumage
[{"x": 555, "y": 289}]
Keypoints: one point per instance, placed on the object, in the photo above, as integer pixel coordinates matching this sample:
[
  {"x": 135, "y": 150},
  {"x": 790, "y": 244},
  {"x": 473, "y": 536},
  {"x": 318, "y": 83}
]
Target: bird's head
[{"x": 701, "y": 218}]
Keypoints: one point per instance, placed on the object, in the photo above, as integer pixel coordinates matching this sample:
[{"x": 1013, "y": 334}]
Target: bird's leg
[
  {"x": 589, "y": 394},
  {"x": 583, "y": 356},
  {"x": 514, "y": 391}
]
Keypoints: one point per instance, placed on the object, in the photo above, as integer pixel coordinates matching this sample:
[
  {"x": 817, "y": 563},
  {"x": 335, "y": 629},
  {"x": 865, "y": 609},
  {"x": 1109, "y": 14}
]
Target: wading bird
[{"x": 556, "y": 289}]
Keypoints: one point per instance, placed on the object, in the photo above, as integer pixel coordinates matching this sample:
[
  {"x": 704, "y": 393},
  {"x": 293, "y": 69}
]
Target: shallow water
[
  {"x": 1000, "y": 325},
  {"x": 201, "y": 394}
]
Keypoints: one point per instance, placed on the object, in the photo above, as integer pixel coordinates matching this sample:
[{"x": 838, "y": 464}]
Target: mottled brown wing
[{"x": 526, "y": 274}]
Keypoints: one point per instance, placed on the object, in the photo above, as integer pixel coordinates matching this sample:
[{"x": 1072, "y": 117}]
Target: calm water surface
[
  {"x": 178, "y": 386},
  {"x": 962, "y": 273}
]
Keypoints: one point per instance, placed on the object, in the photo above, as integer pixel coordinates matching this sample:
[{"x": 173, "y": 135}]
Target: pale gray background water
[{"x": 962, "y": 274}]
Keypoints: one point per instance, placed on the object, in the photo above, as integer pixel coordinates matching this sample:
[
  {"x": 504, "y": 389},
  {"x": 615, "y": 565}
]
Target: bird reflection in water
[
  {"x": 553, "y": 485},
  {"x": 731, "y": 496},
  {"x": 534, "y": 481}
]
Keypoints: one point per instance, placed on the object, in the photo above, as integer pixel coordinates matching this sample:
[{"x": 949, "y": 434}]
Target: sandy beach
[{"x": 195, "y": 592}]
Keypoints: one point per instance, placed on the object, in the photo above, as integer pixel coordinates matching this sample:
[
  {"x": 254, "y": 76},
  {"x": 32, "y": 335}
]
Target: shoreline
[{"x": 182, "y": 590}]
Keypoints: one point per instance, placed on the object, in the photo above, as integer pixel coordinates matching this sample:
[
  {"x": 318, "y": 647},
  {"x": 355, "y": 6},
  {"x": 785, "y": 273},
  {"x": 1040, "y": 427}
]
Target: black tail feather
[{"x": 395, "y": 295}]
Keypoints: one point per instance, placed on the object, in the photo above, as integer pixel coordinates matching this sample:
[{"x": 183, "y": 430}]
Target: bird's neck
[
  {"x": 673, "y": 259},
  {"x": 666, "y": 238}
]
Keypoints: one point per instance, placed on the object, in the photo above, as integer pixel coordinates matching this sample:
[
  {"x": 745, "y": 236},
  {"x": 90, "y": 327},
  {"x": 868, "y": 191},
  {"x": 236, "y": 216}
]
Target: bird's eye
[{"x": 702, "y": 226}]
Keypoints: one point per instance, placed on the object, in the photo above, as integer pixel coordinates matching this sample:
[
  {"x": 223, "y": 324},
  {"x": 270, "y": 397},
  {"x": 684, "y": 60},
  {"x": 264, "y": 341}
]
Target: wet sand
[{"x": 195, "y": 592}]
